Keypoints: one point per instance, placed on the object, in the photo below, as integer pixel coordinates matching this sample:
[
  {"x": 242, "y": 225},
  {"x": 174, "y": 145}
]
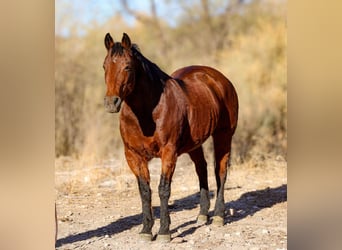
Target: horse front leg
[
  {"x": 169, "y": 159},
  {"x": 139, "y": 167}
]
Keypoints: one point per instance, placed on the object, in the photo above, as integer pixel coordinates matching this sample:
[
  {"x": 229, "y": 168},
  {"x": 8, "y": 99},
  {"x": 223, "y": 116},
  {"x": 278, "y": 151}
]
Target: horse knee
[{"x": 145, "y": 190}]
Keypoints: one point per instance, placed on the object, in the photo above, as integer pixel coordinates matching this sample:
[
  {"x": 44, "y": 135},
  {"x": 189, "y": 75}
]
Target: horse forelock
[{"x": 117, "y": 49}]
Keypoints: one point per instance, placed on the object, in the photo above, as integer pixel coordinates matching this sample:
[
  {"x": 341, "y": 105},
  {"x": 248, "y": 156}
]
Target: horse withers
[{"x": 165, "y": 116}]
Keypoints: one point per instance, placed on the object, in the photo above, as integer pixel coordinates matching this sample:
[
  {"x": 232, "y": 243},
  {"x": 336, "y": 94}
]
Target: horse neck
[
  {"x": 143, "y": 100},
  {"x": 146, "y": 94}
]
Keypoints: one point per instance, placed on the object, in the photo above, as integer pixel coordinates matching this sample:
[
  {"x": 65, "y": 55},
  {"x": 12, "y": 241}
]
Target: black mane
[
  {"x": 154, "y": 73},
  {"x": 151, "y": 69}
]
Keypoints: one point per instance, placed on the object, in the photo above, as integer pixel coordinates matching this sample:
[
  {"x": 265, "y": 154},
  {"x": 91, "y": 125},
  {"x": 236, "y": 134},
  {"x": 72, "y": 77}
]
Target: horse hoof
[
  {"x": 164, "y": 238},
  {"x": 202, "y": 219},
  {"x": 145, "y": 236},
  {"x": 218, "y": 221}
]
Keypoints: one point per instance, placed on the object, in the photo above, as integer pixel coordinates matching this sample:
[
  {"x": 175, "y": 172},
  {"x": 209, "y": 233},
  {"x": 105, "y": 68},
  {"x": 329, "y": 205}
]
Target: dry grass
[
  {"x": 257, "y": 66},
  {"x": 72, "y": 177}
]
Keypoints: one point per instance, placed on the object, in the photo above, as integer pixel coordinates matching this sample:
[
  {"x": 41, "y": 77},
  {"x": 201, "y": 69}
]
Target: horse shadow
[{"x": 246, "y": 205}]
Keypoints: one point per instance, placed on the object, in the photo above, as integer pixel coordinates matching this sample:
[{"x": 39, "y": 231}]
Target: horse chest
[
  {"x": 137, "y": 140},
  {"x": 144, "y": 146}
]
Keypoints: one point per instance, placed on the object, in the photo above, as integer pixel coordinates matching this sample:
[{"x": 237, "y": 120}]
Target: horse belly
[{"x": 200, "y": 125}]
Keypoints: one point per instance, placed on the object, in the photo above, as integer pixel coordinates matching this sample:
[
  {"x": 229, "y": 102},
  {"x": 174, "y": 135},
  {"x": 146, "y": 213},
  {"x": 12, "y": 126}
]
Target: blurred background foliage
[{"x": 246, "y": 40}]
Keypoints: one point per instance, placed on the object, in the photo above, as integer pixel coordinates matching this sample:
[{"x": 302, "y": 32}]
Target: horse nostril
[
  {"x": 112, "y": 103},
  {"x": 117, "y": 102},
  {"x": 116, "y": 99}
]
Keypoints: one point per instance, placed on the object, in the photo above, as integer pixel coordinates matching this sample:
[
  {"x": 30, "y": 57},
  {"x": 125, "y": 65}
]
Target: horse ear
[
  {"x": 126, "y": 41},
  {"x": 108, "y": 41}
]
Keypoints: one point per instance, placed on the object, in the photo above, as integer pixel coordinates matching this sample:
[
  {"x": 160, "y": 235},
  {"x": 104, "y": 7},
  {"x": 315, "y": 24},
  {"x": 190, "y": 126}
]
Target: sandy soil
[{"x": 98, "y": 207}]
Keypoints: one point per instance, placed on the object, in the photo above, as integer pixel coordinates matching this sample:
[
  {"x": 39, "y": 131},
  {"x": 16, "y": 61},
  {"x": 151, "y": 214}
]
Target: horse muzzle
[{"x": 112, "y": 104}]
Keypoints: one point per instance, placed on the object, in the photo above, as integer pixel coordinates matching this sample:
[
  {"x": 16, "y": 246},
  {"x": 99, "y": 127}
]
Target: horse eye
[{"x": 128, "y": 68}]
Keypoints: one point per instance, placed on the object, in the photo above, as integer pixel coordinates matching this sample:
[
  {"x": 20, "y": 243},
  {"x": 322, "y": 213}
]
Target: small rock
[
  {"x": 192, "y": 242},
  {"x": 204, "y": 239},
  {"x": 178, "y": 240},
  {"x": 238, "y": 233},
  {"x": 242, "y": 212},
  {"x": 106, "y": 184},
  {"x": 265, "y": 231},
  {"x": 66, "y": 219},
  {"x": 279, "y": 158}
]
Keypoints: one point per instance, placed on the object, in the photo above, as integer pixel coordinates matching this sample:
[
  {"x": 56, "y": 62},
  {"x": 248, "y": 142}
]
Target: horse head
[{"x": 119, "y": 72}]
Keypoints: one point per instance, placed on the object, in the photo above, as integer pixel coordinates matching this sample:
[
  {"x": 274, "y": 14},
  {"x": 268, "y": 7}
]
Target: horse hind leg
[
  {"x": 222, "y": 146},
  {"x": 197, "y": 157}
]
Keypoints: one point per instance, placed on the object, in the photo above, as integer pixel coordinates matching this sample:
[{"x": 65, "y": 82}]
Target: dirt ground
[{"x": 98, "y": 207}]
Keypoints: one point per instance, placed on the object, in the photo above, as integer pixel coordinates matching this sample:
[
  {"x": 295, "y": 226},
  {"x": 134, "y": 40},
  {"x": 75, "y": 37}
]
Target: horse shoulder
[
  {"x": 129, "y": 125},
  {"x": 170, "y": 113}
]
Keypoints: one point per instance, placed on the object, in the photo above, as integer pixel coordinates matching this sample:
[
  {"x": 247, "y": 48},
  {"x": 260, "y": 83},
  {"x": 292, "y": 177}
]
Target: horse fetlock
[
  {"x": 164, "y": 238},
  {"x": 146, "y": 236},
  {"x": 218, "y": 221},
  {"x": 202, "y": 219}
]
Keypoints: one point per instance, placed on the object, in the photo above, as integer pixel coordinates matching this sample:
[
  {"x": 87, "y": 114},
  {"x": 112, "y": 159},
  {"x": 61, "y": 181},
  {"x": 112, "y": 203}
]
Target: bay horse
[{"x": 165, "y": 116}]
